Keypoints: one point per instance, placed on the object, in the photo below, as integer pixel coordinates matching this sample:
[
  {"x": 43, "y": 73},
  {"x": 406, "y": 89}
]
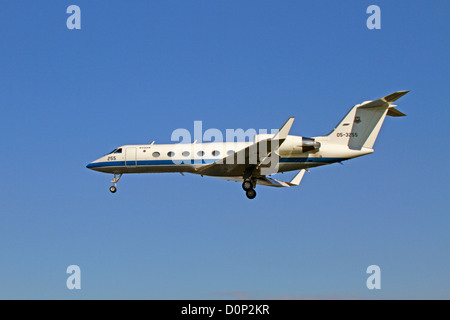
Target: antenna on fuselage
[{"x": 152, "y": 142}]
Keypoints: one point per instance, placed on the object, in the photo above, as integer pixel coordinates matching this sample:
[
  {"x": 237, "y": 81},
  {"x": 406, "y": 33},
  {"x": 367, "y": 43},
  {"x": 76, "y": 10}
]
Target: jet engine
[{"x": 309, "y": 144}]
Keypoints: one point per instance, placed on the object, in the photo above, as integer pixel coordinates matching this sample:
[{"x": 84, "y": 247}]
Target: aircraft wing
[
  {"x": 271, "y": 182},
  {"x": 248, "y": 158}
]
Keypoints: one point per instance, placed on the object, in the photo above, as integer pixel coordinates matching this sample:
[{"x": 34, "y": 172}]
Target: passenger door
[{"x": 130, "y": 157}]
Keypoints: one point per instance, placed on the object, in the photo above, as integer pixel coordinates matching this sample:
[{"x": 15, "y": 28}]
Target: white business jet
[{"x": 253, "y": 163}]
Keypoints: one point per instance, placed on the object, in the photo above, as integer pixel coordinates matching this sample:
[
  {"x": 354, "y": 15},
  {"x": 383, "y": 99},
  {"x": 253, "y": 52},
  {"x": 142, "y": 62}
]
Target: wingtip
[
  {"x": 298, "y": 178},
  {"x": 284, "y": 130}
]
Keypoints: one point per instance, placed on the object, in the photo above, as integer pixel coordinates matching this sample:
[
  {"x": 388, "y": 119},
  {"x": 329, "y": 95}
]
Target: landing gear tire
[
  {"x": 251, "y": 194},
  {"x": 114, "y": 181},
  {"x": 247, "y": 185}
]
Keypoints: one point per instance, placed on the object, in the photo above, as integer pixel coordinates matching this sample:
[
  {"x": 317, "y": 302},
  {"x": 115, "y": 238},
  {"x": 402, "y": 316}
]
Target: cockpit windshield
[{"x": 118, "y": 150}]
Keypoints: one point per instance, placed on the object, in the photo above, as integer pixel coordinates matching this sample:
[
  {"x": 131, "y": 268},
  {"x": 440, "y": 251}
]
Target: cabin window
[
  {"x": 156, "y": 154},
  {"x": 185, "y": 153},
  {"x": 201, "y": 153},
  {"x": 170, "y": 153},
  {"x": 230, "y": 152},
  {"x": 215, "y": 153}
]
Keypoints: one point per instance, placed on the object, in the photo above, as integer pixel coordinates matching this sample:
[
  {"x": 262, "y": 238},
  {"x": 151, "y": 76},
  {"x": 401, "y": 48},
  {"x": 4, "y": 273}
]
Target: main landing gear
[
  {"x": 248, "y": 186},
  {"x": 116, "y": 179},
  {"x": 249, "y": 183}
]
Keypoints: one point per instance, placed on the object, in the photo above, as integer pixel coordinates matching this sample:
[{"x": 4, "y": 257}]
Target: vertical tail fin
[{"x": 360, "y": 127}]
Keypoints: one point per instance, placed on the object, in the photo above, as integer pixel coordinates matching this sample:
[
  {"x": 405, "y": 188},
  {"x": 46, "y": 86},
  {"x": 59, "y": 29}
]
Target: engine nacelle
[
  {"x": 295, "y": 145},
  {"x": 309, "y": 144}
]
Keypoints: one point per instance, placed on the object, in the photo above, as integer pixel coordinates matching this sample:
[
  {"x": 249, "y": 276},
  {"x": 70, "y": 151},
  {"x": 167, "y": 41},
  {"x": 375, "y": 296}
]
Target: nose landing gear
[{"x": 116, "y": 179}]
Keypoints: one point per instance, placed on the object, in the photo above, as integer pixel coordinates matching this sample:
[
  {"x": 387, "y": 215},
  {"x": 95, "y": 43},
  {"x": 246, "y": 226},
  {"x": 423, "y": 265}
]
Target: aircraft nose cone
[{"x": 90, "y": 165}]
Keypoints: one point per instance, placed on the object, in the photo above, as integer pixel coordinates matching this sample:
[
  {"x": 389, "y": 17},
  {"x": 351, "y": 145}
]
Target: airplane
[{"x": 253, "y": 163}]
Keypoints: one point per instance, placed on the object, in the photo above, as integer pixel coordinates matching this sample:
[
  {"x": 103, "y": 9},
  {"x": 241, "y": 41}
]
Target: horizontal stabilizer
[
  {"x": 395, "y": 113},
  {"x": 385, "y": 101},
  {"x": 395, "y": 96}
]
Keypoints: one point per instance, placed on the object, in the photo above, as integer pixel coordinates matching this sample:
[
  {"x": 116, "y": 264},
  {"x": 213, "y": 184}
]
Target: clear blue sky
[{"x": 137, "y": 70}]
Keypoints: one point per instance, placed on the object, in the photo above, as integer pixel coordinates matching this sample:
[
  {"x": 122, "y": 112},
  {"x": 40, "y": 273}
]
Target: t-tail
[{"x": 360, "y": 127}]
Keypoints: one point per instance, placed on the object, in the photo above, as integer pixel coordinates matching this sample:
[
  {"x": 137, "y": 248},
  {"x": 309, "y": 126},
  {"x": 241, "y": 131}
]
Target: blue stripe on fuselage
[
  {"x": 200, "y": 161},
  {"x": 312, "y": 160}
]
